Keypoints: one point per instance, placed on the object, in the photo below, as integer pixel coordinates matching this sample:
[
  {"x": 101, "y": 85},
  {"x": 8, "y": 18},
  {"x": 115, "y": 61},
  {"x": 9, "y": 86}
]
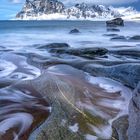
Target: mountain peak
[{"x": 38, "y": 9}]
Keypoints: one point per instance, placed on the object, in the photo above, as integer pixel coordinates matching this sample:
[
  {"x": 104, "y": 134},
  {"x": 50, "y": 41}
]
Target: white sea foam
[
  {"x": 35, "y": 72},
  {"x": 103, "y": 131},
  {"x": 74, "y": 128},
  {"x": 90, "y": 137},
  {"x": 21, "y": 120},
  {"x": 6, "y": 68}
]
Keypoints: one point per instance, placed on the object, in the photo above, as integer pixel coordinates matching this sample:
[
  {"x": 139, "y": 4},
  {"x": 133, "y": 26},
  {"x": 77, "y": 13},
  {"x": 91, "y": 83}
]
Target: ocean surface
[
  {"x": 21, "y": 105},
  {"x": 24, "y": 33}
]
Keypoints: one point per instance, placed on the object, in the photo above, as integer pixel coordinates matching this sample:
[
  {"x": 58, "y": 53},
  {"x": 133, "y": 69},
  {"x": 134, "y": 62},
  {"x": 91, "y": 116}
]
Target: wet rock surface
[
  {"x": 128, "y": 52},
  {"x": 126, "y": 73},
  {"x": 82, "y": 52},
  {"x": 120, "y": 127},
  {"x": 66, "y": 110},
  {"x": 134, "y": 115}
]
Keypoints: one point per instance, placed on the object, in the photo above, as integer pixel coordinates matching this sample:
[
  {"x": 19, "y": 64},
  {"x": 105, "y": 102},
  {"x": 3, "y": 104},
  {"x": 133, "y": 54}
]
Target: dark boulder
[
  {"x": 134, "y": 115},
  {"x": 112, "y": 35},
  {"x": 54, "y": 45},
  {"x": 115, "y": 22},
  {"x": 119, "y": 38},
  {"x": 134, "y": 53},
  {"x": 82, "y": 52},
  {"x": 74, "y": 31},
  {"x": 135, "y": 38}
]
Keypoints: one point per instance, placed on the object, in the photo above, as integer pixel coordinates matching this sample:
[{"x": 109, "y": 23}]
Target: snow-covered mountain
[{"x": 53, "y": 9}]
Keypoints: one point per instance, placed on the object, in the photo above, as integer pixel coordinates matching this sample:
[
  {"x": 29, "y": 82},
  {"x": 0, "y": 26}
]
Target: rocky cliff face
[
  {"x": 36, "y": 9},
  {"x": 86, "y": 11}
]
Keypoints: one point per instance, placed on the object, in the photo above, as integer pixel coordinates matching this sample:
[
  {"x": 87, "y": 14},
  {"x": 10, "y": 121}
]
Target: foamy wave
[{"x": 6, "y": 68}]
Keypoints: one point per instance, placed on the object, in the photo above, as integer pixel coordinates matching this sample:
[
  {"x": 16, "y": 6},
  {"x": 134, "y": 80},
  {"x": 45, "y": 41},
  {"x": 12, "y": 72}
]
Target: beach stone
[
  {"x": 134, "y": 115},
  {"x": 55, "y": 45},
  {"x": 73, "y": 31},
  {"x": 115, "y": 22},
  {"x": 82, "y": 52},
  {"x": 112, "y": 35}
]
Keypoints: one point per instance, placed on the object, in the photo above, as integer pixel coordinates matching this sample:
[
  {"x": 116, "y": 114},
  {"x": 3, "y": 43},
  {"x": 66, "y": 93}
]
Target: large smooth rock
[
  {"x": 82, "y": 52},
  {"x": 115, "y": 22},
  {"x": 134, "y": 115},
  {"x": 55, "y": 45},
  {"x": 134, "y": 53},
  {"x": 119, "y": 38},
  {"x": 129, "y": 73}
]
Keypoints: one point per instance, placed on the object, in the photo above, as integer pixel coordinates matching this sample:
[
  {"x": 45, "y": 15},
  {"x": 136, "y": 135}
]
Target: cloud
[{"x": 104, "y": 2}]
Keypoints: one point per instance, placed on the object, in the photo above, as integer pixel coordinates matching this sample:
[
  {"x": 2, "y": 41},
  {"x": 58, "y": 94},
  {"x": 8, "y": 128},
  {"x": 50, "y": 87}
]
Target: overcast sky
[{"x": 9, "y": 8}]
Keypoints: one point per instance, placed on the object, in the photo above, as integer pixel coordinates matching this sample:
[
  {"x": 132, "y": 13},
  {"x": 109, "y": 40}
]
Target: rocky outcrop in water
[
  {"x": 60, "y": 48},
  {"x": 74, "y": 31},
  {"x": 115, "y": 22}
]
